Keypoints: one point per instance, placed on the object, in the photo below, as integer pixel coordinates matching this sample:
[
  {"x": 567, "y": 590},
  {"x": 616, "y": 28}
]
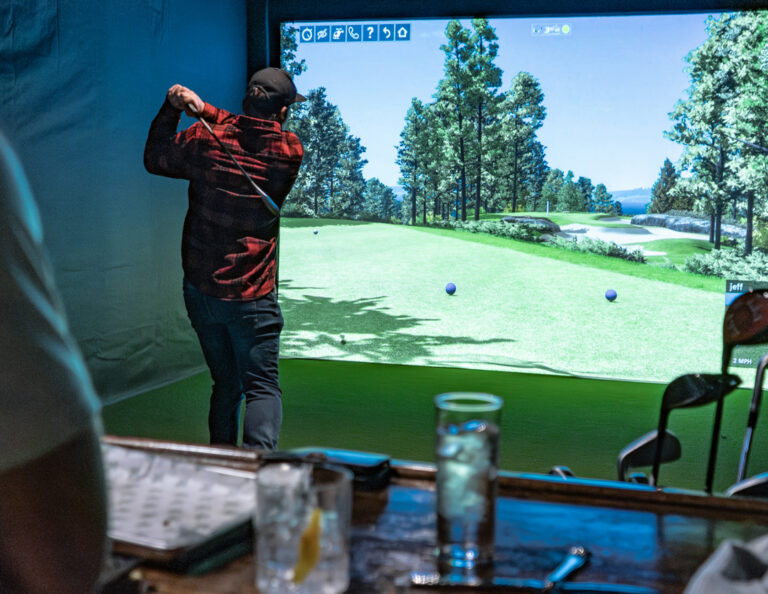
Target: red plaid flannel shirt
[{"x": 229, "y": 241}]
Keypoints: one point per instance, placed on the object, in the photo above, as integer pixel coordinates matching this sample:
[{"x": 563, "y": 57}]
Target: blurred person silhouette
[
  {"x": 229, "y": 242},
  {"x": 52, "y": 487}
]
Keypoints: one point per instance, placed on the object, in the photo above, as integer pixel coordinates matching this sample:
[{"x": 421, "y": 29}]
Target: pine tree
[
  {"x": 481, "y": 96},
  {"x": 536, "y": 173},
  {"x": 699, "y": 120},
  {"x": 452, "y": 90},
  {"x": 331, "y": 157},
  {"x": 662, "y": 197},
  {"x": 586, "y": 188},
  {"x": 551, "y": 188},
  {"x": 410, "y": 153},
  {"x": 604, "y": 200},
  {"x": 569, "y": 197},
  {"x": 523, "y": 114},
  {"x": 380, "y": 202}
]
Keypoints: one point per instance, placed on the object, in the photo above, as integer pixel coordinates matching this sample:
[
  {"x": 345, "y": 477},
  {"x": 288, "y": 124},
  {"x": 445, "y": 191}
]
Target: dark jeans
[{"x": 241, "y": 344}]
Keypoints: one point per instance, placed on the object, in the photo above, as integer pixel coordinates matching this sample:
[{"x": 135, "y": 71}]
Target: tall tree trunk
[
  {"x": 413, "y": 205},
  {"x": 424, "y": 212},
  {"x": 712, "y": 227},
  {"x": 718, "y": 224},
  {"x": 479, "y": 158},
  {"x": 515, "y": 159},
  {"x": 750, "y": 219},
  {"x": 458, "y": 202},
  {"x": 463, "y": 170},
  {"x": 719, "y": 203}
]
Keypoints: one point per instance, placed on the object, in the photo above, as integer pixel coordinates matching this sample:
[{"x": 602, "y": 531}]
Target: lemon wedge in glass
[{"x": 309, "y": 548}]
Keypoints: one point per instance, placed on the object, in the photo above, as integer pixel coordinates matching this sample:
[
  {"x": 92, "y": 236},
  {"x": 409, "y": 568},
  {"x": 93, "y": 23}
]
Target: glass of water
[
  {"x": 302, "y": 519},
  {"x": 467, "y": 453}
]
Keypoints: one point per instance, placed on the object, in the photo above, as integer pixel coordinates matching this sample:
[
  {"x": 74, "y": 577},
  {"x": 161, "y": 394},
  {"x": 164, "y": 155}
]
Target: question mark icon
[{"x": 371, "y": 30}]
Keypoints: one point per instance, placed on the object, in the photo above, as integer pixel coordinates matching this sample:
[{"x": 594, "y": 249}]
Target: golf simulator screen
[{"x": 521, "y": 194}]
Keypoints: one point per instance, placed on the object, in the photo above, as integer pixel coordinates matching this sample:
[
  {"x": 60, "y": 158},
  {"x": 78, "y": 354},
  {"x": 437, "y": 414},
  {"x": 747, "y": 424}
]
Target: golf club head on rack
[
  {"x": 745, "y": 323},
  {"x": 754, "y": 412},
  {"x": 642, "y": 452},
  {"x": 754, "y": 486},
  {"x": 690, "y": 390}
]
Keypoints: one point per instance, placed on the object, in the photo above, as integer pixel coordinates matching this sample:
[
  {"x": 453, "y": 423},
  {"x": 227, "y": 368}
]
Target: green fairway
[
  {"x": 565, "y": 218},
  {"x": 376, "y": 292},
  {"x": 676, "y": 250}
]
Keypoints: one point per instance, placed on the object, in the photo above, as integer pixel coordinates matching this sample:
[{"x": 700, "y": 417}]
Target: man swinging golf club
[{"x": 240, "y": 169}]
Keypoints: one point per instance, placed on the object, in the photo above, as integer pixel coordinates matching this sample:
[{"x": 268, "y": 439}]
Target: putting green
[{"x": 376, "y": 293}]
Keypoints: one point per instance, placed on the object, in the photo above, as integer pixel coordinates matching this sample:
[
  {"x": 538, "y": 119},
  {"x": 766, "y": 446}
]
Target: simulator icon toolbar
[{"x": 340, "y": 33}]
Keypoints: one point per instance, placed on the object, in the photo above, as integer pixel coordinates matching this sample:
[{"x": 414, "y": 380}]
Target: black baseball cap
[{"x": 277, "y": 85}]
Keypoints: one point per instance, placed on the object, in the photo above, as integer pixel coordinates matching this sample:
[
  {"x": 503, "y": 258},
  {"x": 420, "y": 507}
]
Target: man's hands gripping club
[{"x": 184, "y": 99}]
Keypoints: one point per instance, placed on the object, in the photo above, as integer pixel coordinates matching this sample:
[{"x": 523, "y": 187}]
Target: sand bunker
[{"x": 626, "y": 236}]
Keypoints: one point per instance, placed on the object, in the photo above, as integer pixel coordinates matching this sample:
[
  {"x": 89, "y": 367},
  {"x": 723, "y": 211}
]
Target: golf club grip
[
  {"x": 268, "y": 202},
  {"x": 727, "y": 351},
  {"x": 576, "y": 558}
]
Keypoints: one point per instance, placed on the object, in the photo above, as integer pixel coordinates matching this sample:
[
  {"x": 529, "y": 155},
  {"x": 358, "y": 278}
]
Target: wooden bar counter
[{"x": 635, "y": 534}]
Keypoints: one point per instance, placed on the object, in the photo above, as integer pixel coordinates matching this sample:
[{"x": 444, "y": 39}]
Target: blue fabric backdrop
[{"x": 80, "y": 81}]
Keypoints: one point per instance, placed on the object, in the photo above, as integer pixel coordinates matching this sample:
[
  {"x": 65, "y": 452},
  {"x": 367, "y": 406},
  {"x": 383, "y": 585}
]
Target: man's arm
[
  {"x": 168, "y": 153},
  {"x": 53, "y": 519},
  {"x": 165, "y": 152}
]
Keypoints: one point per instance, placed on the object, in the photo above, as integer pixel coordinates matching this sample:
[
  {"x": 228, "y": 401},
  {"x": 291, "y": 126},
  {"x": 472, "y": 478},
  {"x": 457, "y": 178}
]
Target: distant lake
[{"x": 633, "y": 201}]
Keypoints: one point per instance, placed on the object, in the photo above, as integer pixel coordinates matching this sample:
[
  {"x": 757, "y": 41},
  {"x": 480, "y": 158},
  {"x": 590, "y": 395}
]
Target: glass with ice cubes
[
  {"x": 301, "y": 521},
  {"x": 466, "y": 452}
]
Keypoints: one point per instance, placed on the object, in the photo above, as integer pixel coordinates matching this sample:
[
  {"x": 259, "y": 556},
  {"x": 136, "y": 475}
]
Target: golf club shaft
[
  {"x": 268, "y": 202},
  {"x": 715, "y": 441},
  {"x": 660, "y": 434},
  {"x": 713, "y": 445},
  {"x": 754, "y": 411}
]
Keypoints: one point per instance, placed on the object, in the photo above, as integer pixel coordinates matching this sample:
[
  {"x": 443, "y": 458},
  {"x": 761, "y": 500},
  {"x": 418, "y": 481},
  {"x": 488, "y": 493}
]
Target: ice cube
[
  {"x": 284, "y": 475},
  {"x": 281, "y": 492},
  {"x": 462, "y": 492}
]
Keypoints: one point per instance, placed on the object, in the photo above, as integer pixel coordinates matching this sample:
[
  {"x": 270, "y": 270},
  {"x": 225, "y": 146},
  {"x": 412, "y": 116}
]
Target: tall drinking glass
[
  {"x": 302, "y": 518},
  {"x": 467, "y": 453}
]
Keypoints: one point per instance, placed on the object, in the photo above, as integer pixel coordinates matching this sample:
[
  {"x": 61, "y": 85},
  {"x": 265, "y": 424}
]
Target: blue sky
[{"x": 609, "y": 85}]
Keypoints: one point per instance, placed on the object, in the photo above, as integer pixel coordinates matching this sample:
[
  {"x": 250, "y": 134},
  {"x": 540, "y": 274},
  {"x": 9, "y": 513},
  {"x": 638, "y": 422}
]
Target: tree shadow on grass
[{"x": 332, "y": 327}]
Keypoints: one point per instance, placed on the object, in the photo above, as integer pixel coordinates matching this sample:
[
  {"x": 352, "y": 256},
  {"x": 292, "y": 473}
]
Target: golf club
[
  {"x": 687, "y": 391},
  {"x": 754, "y": 486},
  {"x": 268, "y": 202},
  {"x": 745, "y": 322},
  {"x": 642, "y": 452},
  {"x": 754, "y": 411}
]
